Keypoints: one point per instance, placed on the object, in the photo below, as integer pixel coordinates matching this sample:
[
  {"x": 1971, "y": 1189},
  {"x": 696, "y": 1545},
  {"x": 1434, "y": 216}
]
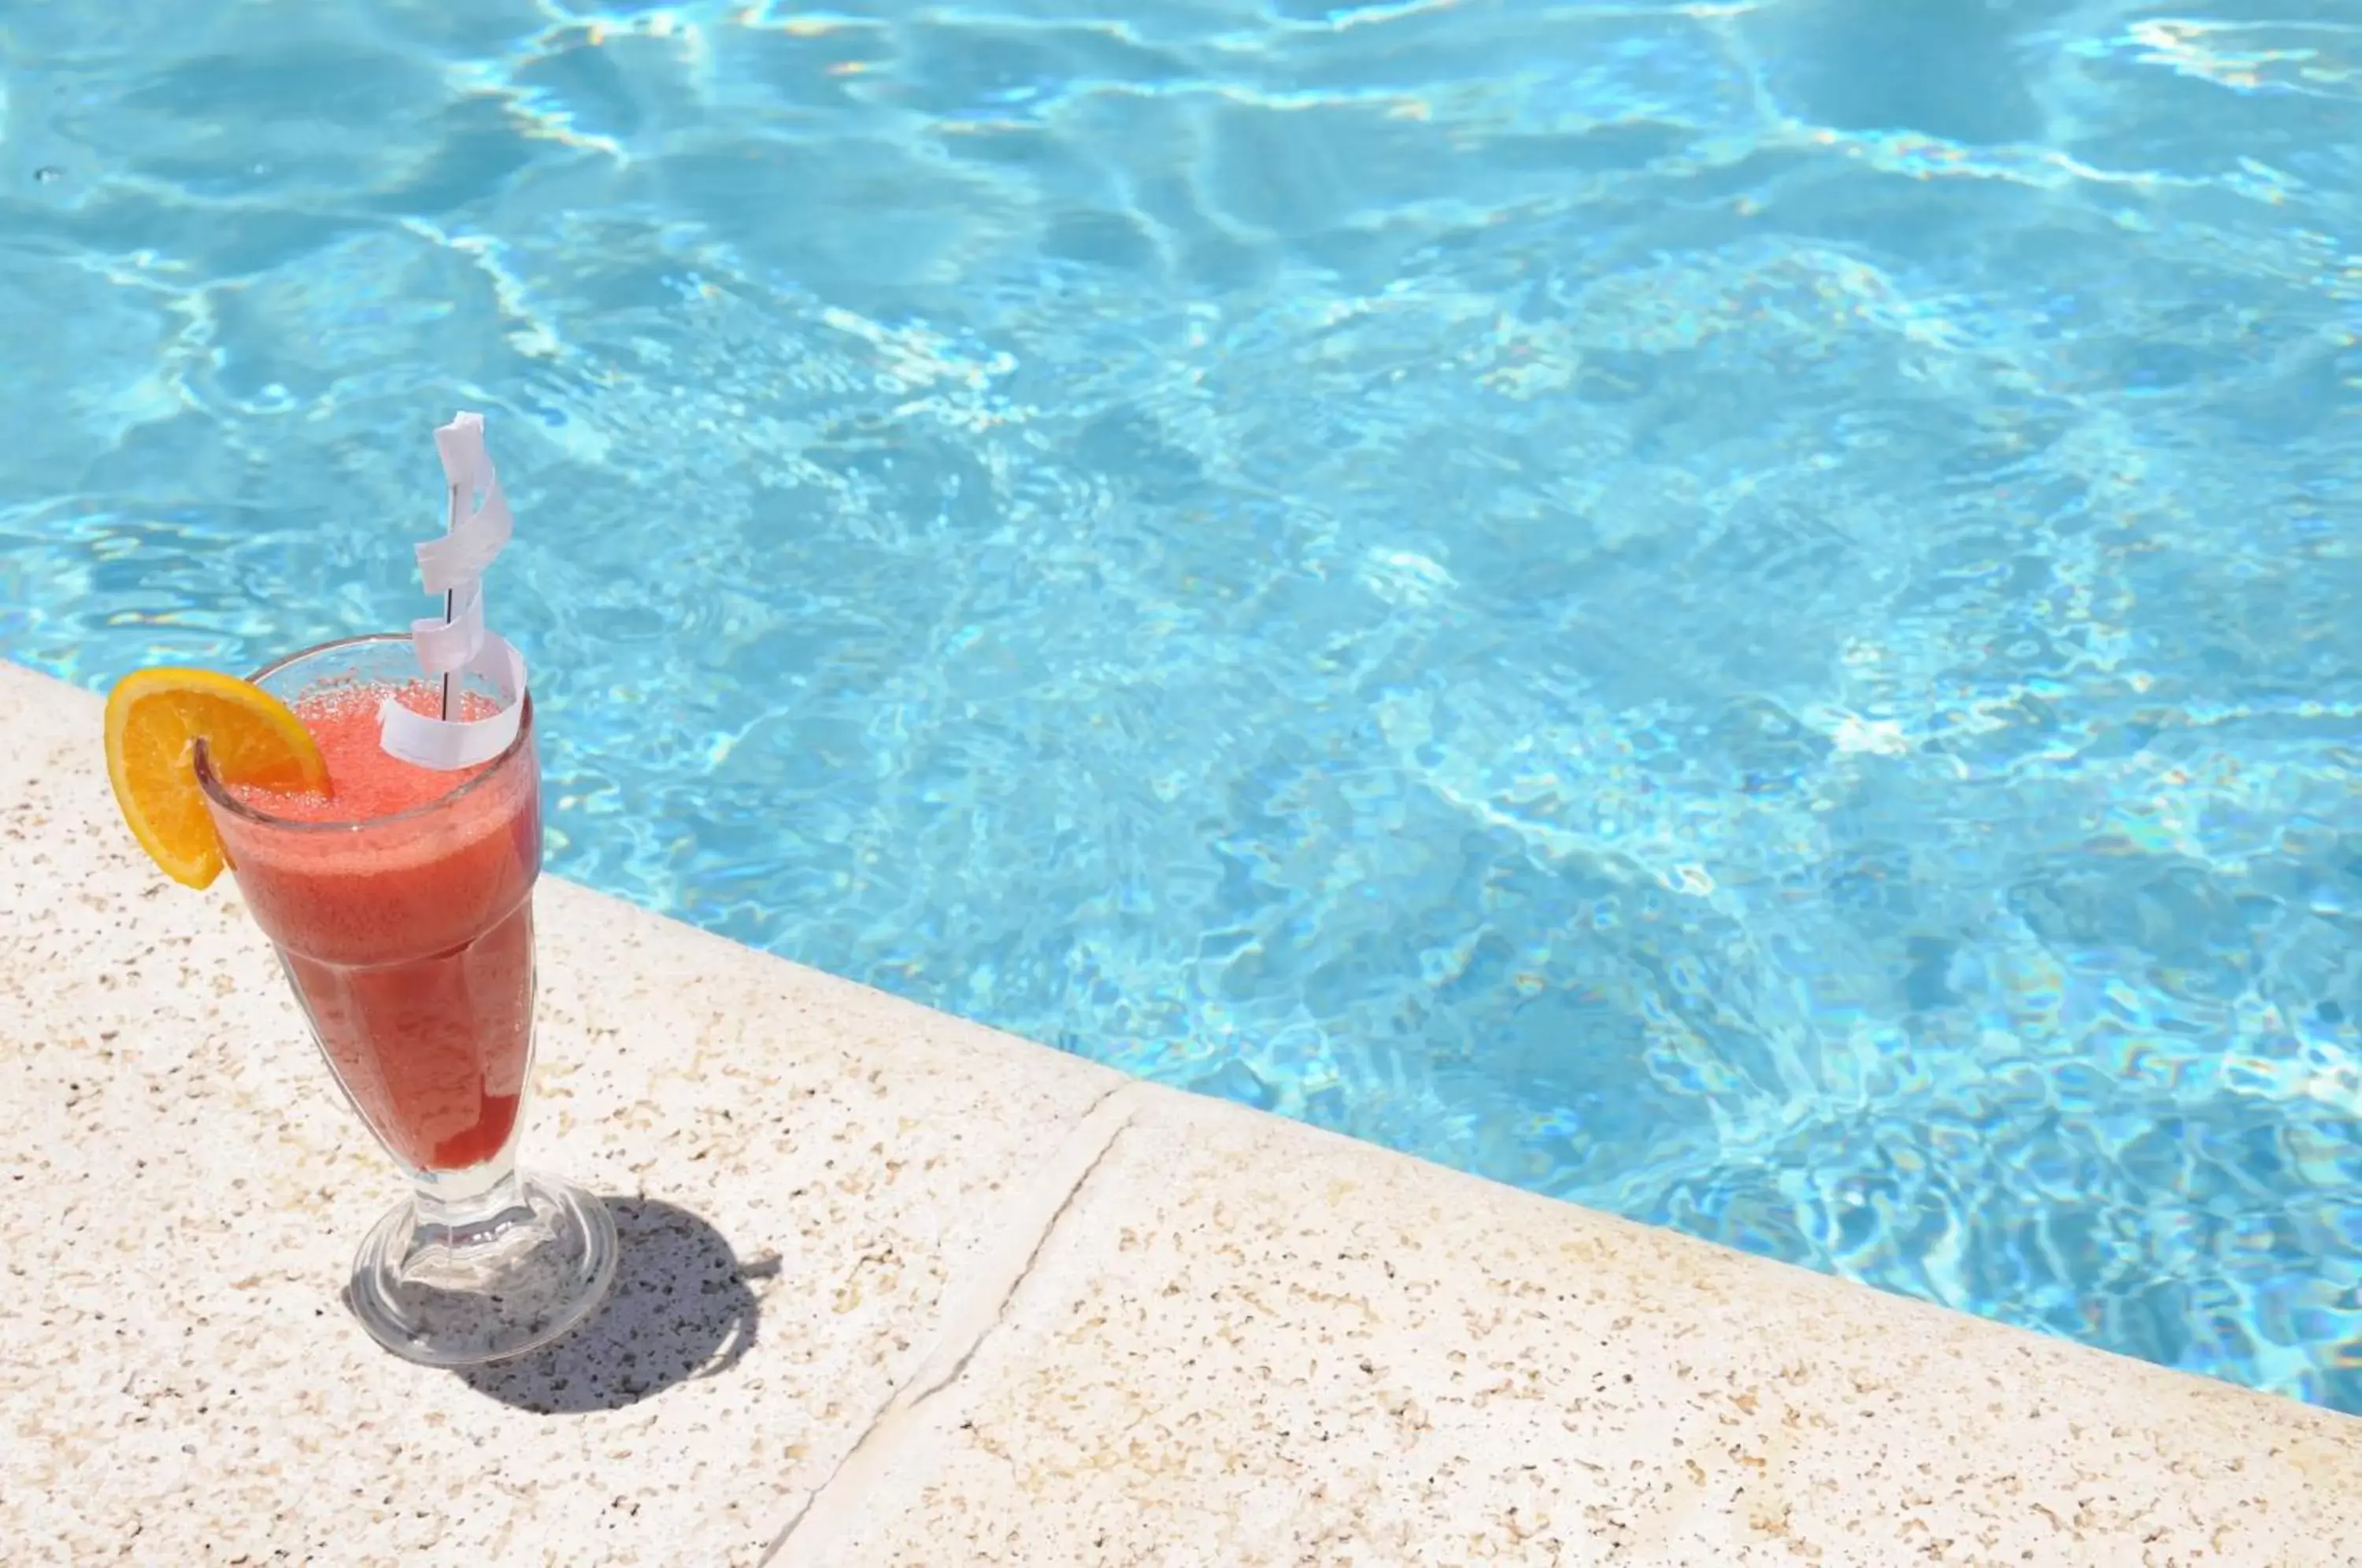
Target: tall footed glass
[{"x": 408, "y": 937}]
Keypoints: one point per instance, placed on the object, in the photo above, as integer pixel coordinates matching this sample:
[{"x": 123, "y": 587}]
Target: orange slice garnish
[{"x": 154, "y": 719}]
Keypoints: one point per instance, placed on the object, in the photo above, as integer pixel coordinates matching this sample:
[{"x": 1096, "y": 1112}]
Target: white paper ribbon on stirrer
[{"x": 460, "y": 644}]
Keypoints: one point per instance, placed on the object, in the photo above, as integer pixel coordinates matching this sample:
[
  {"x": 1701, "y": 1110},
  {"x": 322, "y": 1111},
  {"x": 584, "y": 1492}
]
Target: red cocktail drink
[{"x": 400, "y": 904}]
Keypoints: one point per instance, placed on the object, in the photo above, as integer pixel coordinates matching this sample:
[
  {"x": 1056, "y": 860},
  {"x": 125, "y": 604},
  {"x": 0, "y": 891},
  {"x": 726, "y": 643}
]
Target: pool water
[{"x": 1750, "y": 615}]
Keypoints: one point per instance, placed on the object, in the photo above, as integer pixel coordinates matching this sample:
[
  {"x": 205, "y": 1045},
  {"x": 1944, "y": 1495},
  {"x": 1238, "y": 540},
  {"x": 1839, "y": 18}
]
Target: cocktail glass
[{"x": 409, "y": 941}]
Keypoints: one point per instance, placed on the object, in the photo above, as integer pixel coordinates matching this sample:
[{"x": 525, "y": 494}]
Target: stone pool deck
[{"x": 899, "y": 1289}]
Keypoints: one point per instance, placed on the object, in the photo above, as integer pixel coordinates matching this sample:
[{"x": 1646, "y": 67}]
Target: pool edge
[{"x": 1175, "y": 1325}]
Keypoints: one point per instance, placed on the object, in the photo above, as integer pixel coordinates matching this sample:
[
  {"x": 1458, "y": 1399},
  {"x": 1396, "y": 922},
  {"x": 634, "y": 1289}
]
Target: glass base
[{"x": 444, "y": 1286}]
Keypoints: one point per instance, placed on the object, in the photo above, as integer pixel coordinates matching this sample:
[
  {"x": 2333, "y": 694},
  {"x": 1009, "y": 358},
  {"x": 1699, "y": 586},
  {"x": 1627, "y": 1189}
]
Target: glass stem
[{"x": 456, "y": 1209}]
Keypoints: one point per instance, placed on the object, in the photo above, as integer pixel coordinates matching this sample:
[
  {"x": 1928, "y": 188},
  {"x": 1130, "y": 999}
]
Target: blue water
[{"x": 1750, "y": 615}]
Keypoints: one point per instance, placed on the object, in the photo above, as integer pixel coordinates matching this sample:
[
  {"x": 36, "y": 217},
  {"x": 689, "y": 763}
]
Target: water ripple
[{"x": 1739, "y": 612}]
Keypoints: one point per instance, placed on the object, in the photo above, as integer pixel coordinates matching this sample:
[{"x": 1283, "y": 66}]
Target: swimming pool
[{"x": 1743, "y": 614}]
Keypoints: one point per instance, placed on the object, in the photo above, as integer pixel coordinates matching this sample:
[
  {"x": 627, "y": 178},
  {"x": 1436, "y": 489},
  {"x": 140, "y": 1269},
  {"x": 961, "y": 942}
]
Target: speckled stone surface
[
  {"x": 1248, "y": 1344},
  {"x": 802, "y": 1167},
  {"x": 901, "y": 1290}
]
